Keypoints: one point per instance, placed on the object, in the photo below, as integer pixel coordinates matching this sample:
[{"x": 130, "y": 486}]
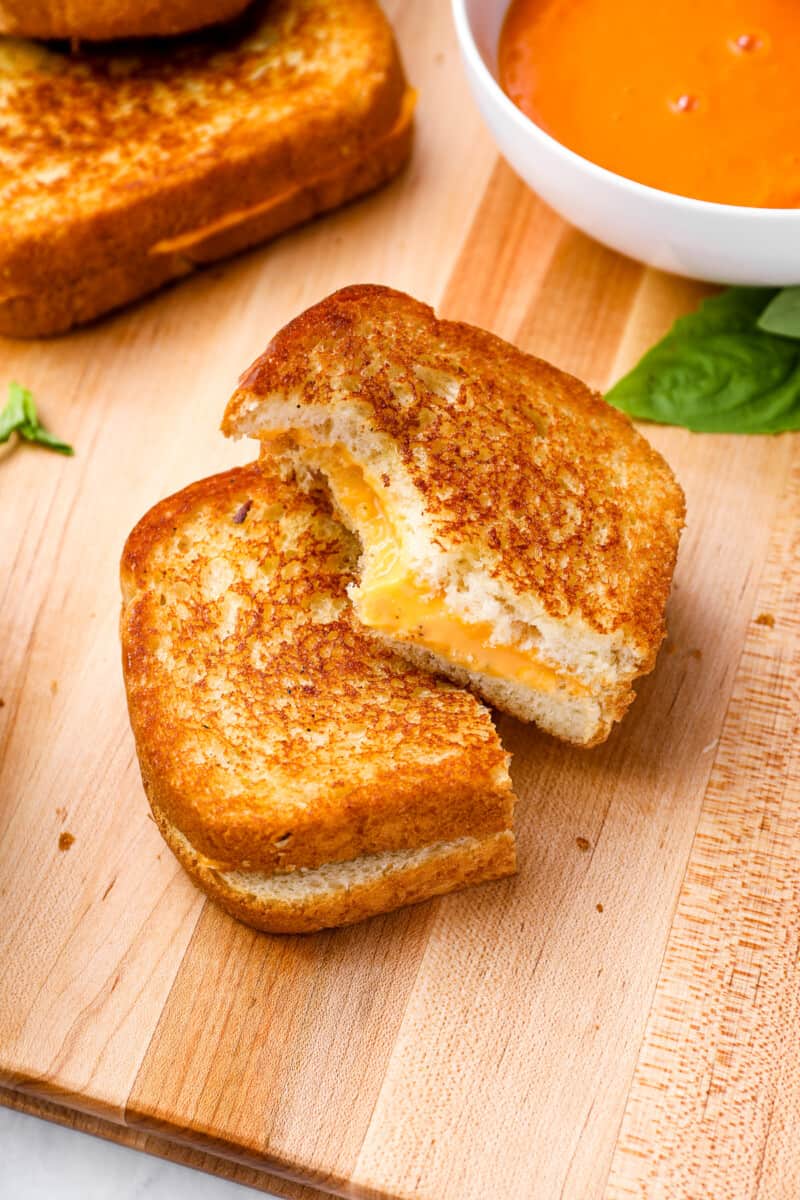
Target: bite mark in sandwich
[{"x": 525, "y": 541}]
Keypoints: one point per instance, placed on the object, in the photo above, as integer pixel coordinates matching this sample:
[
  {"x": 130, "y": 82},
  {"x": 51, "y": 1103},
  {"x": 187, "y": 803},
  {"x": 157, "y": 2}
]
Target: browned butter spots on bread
[
  {"x": 72, "y": 122},
  {"x": 99, "y": 19},
  {"x": 517, "y": 462},
  {"x": 127, "y": 168},
  {"x": 261, "y": 710}
]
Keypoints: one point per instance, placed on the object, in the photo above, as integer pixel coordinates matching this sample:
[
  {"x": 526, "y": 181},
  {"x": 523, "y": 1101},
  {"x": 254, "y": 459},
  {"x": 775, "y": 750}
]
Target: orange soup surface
[{"x": 699, "y": 97}]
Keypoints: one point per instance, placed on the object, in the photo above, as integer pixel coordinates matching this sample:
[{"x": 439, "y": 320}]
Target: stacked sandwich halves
[
  {"x": 124, "y": 165},
  {"x": 435, "y": 519}
]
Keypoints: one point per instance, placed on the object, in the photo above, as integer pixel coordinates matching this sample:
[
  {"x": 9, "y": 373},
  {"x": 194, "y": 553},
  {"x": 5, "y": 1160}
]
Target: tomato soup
[{"x": 698, "y": 97}]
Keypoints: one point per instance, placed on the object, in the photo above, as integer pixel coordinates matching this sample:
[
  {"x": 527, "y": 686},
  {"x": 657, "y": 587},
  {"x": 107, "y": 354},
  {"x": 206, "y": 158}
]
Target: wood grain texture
[
  {"x": 183, "y": 1155},
  {"x": 714, "y": 1103},
  {"x": 494, "y": 1042}
]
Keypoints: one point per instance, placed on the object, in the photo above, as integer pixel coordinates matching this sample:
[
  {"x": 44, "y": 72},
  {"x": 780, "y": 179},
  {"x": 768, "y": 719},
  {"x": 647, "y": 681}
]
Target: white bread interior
[
  {"x": 582, "y": 720},
  {"x": 341, "y": 893}
]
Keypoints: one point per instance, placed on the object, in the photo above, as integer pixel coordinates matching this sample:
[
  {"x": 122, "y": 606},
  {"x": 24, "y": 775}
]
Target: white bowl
[{"x": 720, "y": 242}]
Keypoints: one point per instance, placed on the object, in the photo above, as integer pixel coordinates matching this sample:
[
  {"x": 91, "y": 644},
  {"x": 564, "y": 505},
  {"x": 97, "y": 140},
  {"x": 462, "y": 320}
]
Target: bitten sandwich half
[
  {"x": 121, "y": 169},
  {"x": 518, "y": 533},
  {"x": 303, "y": 774}
]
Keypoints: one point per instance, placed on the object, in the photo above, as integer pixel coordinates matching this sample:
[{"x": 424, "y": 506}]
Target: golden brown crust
[
  {"x": 73, "y": 301},
  {"x": 94, "y": 227},
  {"x": 490, "y": 858},
  {"x": 270, "y": 729},
  {"x": 100, "y": 19},
  {"x": 552, "y": 489}
]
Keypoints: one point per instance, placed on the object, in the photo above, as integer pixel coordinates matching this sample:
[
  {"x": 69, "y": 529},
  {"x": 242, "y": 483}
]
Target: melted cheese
[
  {"x": 391, "y": 600},
  {"x": 185, "y": 242}
]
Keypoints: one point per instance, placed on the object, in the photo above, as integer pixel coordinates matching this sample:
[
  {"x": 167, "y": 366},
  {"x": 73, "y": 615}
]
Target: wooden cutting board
[{"x": 619, "y": 1020}]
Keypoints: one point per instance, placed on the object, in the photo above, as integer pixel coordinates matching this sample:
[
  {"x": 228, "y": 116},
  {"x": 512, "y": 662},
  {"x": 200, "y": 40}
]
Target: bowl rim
[{"x": 530, "y": 129}]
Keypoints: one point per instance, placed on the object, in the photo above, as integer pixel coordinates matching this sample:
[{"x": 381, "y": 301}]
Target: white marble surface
[{"x": 41, "y": 1161}]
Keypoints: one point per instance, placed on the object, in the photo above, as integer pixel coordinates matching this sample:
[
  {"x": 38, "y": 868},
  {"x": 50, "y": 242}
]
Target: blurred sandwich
[
  {"x": 121, "y": 171},
  {"x": 303, "y": 774},
  {"x": 518, "y": 533},
  {"x": 97, "y": 19}
]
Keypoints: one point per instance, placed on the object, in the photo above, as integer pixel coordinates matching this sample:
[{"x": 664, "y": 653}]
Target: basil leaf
[
  {"x": 41, "y": 437},
  {"x": 20, "y": 416},
  {"x": 13, "y": 415},
  {"x": 782, "y": 314},
  {"x": 716, "y": 371},
  {"x": 28, "y": 407}
]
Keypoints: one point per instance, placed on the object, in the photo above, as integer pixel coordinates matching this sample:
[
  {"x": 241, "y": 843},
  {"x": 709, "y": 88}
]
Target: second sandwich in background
[
  {"x": 93, "y": 20},
  {"x": 518, "y": 534},
  {"x": 126, "y": 167}
]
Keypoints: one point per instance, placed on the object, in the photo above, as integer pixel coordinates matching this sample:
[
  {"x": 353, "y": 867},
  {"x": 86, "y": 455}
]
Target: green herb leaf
[
  {"x": 13, "y": 415},
  {"x": 20, "y": 416},
  {"x": 716, "y": 371},
  {"x": 41, "y": 437},
  {"x": 782, "y": 314},
  {"x": 28, "y": 407}
]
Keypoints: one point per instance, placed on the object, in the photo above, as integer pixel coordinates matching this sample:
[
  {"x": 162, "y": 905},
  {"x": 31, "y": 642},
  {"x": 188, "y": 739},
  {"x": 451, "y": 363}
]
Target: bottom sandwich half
[{"x": 303, "y": 774}]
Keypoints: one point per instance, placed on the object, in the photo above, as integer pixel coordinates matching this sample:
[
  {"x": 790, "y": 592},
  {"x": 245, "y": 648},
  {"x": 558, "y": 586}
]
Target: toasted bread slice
[
  {"x": 274, "y": 735},
  {"x": 99, "y": 19},
  {"x": 310, "y": 899},
  {"x": 518, "y": 533},
  {"x": 124, "y": 172}
]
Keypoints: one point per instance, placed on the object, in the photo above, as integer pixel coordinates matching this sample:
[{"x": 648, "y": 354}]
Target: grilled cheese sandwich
[
  {"x": 518, "y": 534},
  {"x": 96, "y": 20},
  {"x": 163, "y": 156},
  {"x": 303, "y": 773},
  {"x": 101, "y": 20}
]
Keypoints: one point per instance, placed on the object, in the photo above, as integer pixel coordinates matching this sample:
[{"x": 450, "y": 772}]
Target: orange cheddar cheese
[{"x": 390, "y": 599}]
